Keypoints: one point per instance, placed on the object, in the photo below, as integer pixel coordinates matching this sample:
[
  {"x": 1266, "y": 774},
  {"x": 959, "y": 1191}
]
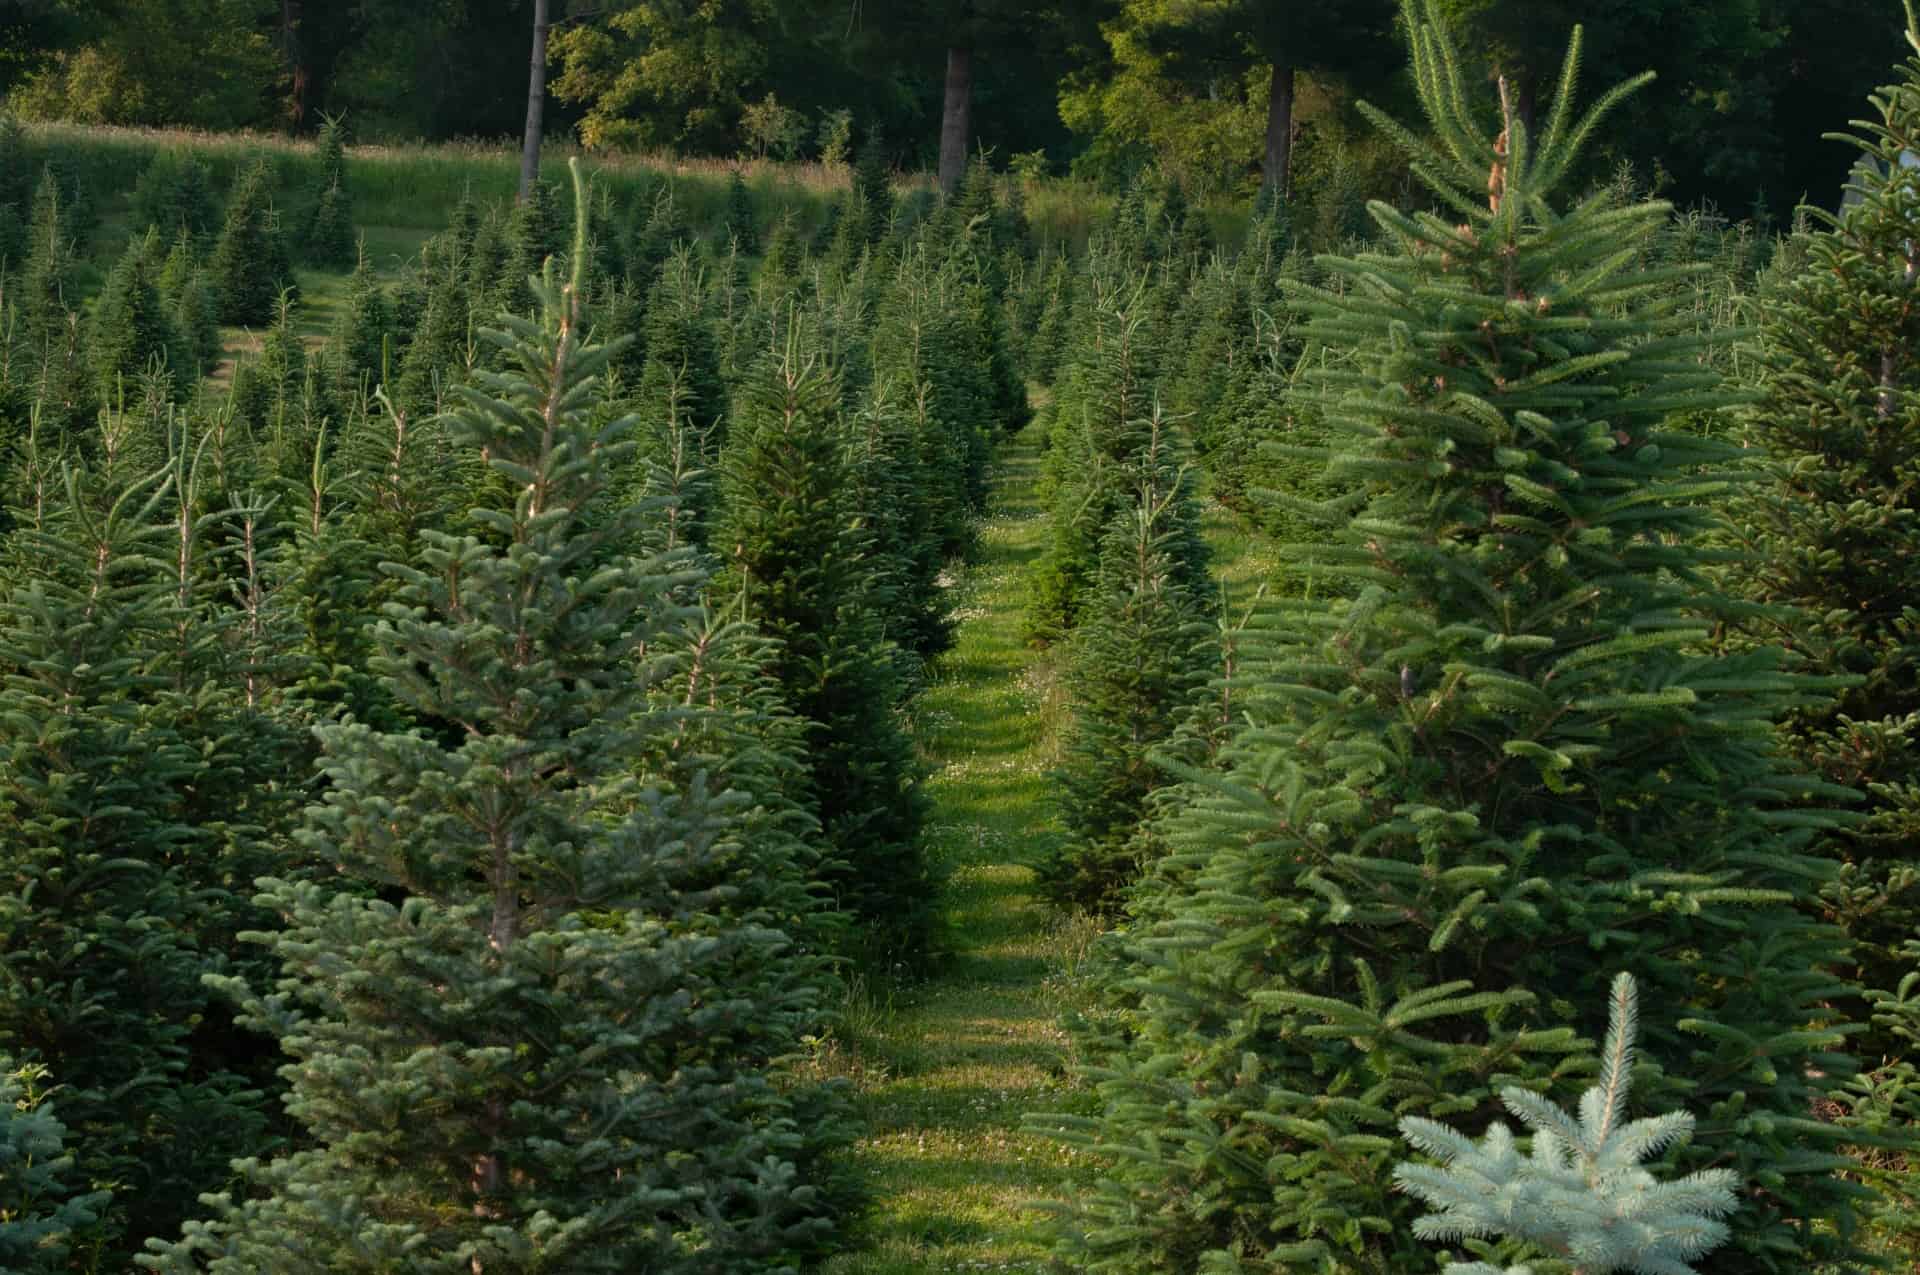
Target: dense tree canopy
[{"x": 1219, "y": 90}]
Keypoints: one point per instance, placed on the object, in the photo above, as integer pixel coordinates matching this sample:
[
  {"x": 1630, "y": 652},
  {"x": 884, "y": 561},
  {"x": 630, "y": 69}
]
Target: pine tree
[
  {"x": 250, "y": 266},
  {"x": 1835, "y": 529},
  {"x": 1506, "y": 769},
  {"x": 796, "y": 557},
  {"x": 41, "y": 1208},
  {"x": 1140, "y": 663},
  {"x": 597, "y": 1094}
]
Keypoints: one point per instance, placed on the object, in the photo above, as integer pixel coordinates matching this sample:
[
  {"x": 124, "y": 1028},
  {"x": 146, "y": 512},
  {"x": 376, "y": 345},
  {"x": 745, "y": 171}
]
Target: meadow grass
[{"x": 946, "y": 1069}]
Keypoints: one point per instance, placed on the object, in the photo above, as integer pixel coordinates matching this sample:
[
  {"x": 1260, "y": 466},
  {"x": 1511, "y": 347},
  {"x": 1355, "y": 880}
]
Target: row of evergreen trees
[
  {"x": 1563, "y": 677},
  {"x": 497, "y": 711}
]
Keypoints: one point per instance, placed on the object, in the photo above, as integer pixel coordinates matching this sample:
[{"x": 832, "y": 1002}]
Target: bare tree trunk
[
  {"x": 956, "y": 117},
  {"x": 536, "y": 101},
  {"x": 1277, "y": 179}
]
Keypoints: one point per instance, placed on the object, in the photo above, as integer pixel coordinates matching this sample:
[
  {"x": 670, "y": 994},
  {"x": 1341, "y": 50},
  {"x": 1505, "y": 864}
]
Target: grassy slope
[{"x": 946, "y": 1069}]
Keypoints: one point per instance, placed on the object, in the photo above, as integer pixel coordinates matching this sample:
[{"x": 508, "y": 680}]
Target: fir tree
[
  {"x": 132, "y": 326},
  {"x": 1098, "y": 426},
  {"x": 16, "y": 194},
  {"x": 1835, "y": 530},
  {"x": 190, "y": 299},
  {"x": 48, "y": 296},
  {"x": 1507, "y": 768},
  {"x": 358, "y": 346},
  {"x": 127, "y": 820},
  {"x": 892, "y": 485},
  {"x": 530, "y": 236},
  {"x": 796, "y": 557},
  {"x": 41, "y": 1208},
  {"x": 873, "y": 179},
  {"x": 741, "y": 224},
  {"x": 597, "y": 1096},
  {"x": 175, "y": 195},
  {"x": 327, "y": 236},
  {"x": 250, "y": 266},
  {"x": 1140, "y": 663},
  {"x": 439, "y": 353}
]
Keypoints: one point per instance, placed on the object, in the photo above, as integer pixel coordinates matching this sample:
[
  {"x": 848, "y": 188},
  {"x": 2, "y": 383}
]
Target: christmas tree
[
  {"x": 1139, "y": 663},
  {"x": 1835, "y": 527},
  {"x": 1506, "y": 768},
  {"x": 799, "y": 562},
  {"x": 41, "y": 1209},
  {"x": 530, "y": 1030}
]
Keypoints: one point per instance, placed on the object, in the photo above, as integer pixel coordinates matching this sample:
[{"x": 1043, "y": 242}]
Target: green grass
[{"x": 946, "y": 1069}]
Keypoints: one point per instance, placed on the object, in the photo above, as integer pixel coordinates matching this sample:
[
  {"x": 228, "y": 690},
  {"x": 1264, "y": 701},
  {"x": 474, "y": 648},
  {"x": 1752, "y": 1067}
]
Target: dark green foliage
[
  {"x": 41, "y": 1207},
  {"x": 1140, "y": 662},
  {"x": 530, "y": 236},
  {"x": 279, "y": 397},
  {"x": 47, "y": 296},
  {"x": 358, "y": 346},
  {"x": 130, "y": 805},
  {"x": 873, "y": 180},
  {"x": 175, "y": 194},
  {"x": 250, "y": 266},
  {"x": 681, "y": 400},
  {"x": 927, "y": 340},
  {"x": 190, "y": 299},
  {"x": 1835, "y": 528},
  {"x": 1099, "y": 417},
  {"x": 47, "y": 329},
  {"x": 1507, "y": 768},
  {"x": 438, "y": 354},
  {"x": 599, "y": 1095},
  {"x": 896, "y": 487},
  {"x": 1882, "y": 1111},
  {"x": 132, "y": 327},
  {"x": 797, "y": 557},
  {"x": 657, "y": 239},
  {"x": 741, "y": 224},
  {"x": 16, "y": 195},
  {"x": 327, "y": 235}
]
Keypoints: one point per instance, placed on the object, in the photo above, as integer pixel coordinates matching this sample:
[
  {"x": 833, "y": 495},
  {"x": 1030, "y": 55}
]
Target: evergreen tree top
[{"x": 1582, "y": 1193}]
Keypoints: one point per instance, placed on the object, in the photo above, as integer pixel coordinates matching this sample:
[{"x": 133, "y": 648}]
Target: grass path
[{"x": 946, "y": 1069}]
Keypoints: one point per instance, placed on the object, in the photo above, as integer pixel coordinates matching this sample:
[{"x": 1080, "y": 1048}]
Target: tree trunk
[
  {"x": 293, "y": 48},
  {"x": 1277, "y": 179},
  {"x": 536, "y": 101},
  {"x": 955, "y": 117}
]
